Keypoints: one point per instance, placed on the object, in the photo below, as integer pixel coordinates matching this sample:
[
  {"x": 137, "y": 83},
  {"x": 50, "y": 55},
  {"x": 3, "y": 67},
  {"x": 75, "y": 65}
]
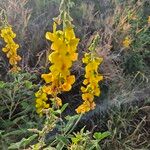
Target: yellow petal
[
  {"x": 47, "y": 77},
  {"x": 5, "y": 50},
  {"x": 66, "y": 87},
  {"x": 49, "y": 36},
  {"x": 71, "y": 79}
]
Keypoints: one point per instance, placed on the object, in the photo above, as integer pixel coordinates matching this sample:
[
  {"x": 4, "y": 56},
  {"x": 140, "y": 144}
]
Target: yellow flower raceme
[
  {"x": 91, "y": 82},
  {"x": 11, "y": 47},
  {"x": 64, "y": 46}
]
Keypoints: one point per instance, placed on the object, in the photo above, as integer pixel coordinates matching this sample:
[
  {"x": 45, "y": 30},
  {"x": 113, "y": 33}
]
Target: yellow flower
[
  {"x": 41, "y": 103},
  {"x": 38, "y": 93},
  {"x": 96, "y": 91},
  {"x": 57, "y": 45},
  {"x": 47, "y": 89},
  {"x": 7, "y": 32},
  {"x": 15, "y": 69},
  {"x": 54, "y": 70},
  {"x": 49, "y": 35},
  {"x": 83, "y": 89},
  {"x": 66, "y": 87},
  {"x": 41, "y": 95},
  {"x": 70, "y": 37},
  {"x": 86, "y": 81},
  {"x": 54, "y": 57},
  {"x": 127, "y": 42},
  {"x": 74, "y": 56},
  {"x": 8, "y": 39},
  {"x": 85, "y": 107},
  {"x": 58, "y": 101},
  {"x": 5, "y": 50},
  {"x": 86, "y": 59},
  {"x": 69, "y": 33},
  {"x": 149, "y": 20},
  {"x": 87, "y": 97},
  {"x": 14, "y": 59},
  {"x": 89, "y": 68},
  {"x": 47, "y": 77},
  {"x": 63, "y": 39},
  {"x": 71, "y": 79}
]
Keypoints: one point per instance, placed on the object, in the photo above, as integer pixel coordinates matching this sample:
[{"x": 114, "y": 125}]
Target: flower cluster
[
  {"x": 91, "y": 82},
  {"x": 41, "y": 101},
  {"x": 127, "y": 42},
  {"x": 11, "y": 47},
  {"x": 64, "y": 45}
]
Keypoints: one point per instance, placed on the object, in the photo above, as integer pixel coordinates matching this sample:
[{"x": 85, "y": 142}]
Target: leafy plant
[
  {"x": 16, "y": 107},
  {"x": 57, "y": 133}
]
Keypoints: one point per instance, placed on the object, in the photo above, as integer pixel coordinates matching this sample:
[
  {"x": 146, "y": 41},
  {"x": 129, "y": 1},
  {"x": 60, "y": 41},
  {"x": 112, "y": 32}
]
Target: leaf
[
  {"x": 23, "y": 143},
  {"x": 24, "y": 105},
  {"x": 60, "y": 146},
  {"x": 93, "y": 145},
  {"x": 28, "y": 84},
  {"x": 16, "y": 132},
  {"x": 2, "y": 84},
  {"x": 49, "y": 148},
  {"x": 71, "y": 122},
  {"x": 100, "y": 136},
  {"x": 64, "y": 107},
  {"x": 76, "y": 139},
  {"x": 15, "y": 121},
  {"x": 62, "y": 139}
]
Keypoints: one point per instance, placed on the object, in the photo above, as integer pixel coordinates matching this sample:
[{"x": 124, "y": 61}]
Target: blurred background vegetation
[{"x": 123, "y": 107}]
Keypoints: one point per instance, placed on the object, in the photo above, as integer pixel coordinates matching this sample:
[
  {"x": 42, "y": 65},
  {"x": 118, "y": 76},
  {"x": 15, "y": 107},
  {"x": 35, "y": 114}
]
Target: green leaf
[
  {"x": 23, "y": 143},
  {"x": 94, "y": 145},
  {"x": 16, "y": 132},
  {"x": 71, "y": 122},
  {"x": 64, "y": 107},
  {"x": 15, "y": 121},
  {"x": 62, "y": 139},
  {"x": 60, "y": 146},
  {"x": 28, "y": 84},
  {"x": 49, "y": 148},
  {"x": 2, "y": 84},
  {"x": 57, "y": 112},
  {"x": 24, "y": 105},
  {"x": 76, "y": 139},
  {"x": 100, "y": 136}
]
